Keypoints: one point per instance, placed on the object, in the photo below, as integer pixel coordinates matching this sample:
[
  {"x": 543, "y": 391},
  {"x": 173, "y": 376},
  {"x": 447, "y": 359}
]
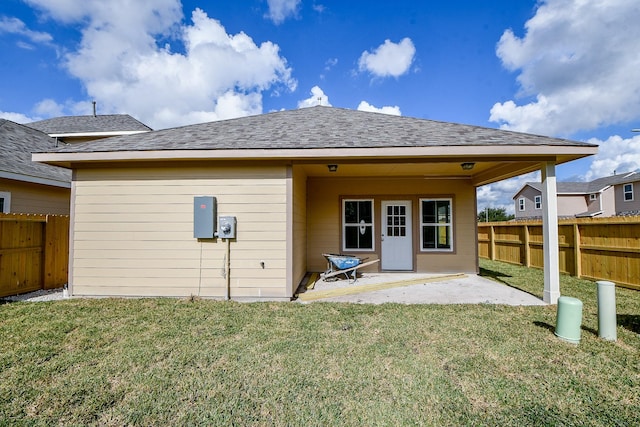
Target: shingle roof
[
  {"x": 84, "y": 124},
  {"x": 316, "y": 127},
  {"x": 18, "y": 142},
  {"x": 590, "y": 187}
]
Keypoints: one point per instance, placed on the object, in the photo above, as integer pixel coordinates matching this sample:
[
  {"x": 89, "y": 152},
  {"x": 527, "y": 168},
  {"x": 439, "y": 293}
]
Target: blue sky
[{"x": 567, "y": 68}]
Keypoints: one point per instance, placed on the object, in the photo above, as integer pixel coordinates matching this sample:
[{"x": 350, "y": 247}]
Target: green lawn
[{"x": 179, "y": 362}]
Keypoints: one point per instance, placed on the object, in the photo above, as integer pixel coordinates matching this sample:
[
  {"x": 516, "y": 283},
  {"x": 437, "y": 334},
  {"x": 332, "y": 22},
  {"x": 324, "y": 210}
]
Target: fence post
[
  {"x": 492, "y": 244},
  {"x": 577, "y": 256},
  {"x": 527, "y": 251}
]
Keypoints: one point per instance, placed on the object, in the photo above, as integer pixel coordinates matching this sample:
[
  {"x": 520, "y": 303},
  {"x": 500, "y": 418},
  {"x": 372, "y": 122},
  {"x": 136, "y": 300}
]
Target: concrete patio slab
[{"x": 414, "y": 288}]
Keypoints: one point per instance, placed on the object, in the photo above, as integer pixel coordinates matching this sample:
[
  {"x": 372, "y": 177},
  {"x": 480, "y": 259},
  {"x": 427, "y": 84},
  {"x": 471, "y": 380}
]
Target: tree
[{"x": 494, "y": 214}]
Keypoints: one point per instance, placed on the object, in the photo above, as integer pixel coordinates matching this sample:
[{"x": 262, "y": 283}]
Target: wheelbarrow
[{"x": 346, "y": 265}]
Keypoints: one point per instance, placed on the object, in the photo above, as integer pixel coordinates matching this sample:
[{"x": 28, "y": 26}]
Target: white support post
[{"x": 550, "y": 234}]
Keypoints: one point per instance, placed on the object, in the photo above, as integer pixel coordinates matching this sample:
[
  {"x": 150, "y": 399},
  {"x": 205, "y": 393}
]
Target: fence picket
[{"x": 34, "y": 252}]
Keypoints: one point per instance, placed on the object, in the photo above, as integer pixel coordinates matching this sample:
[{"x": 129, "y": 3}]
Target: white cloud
[
  {"x": 577, "y": 59},
  {"x": 330, "y": 63},
  {"x": 16, "y": 26},
  {"x": 279, "y": 10},
  {"x": 50, "y": 108},
  {"x": 216, "y": 76},
  {"x": 614, "y": 155},
  {"x": 365, "y": 106},
  {"x": 500, "y": 194},
  {"x": 389, "y": 59},
  {"x": 317, "y": 98},
  {"x": 16, "y": 117},
  {"x": 320, "y": 8}
]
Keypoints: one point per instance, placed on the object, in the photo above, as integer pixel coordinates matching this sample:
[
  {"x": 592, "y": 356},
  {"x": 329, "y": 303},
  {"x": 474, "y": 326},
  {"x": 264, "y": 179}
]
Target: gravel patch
[{"x": 37, "y": 296}]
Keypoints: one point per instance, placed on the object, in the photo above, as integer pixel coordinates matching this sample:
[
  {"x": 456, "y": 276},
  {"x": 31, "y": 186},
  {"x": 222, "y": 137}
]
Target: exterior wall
[
  {"x": 36, "y": 198},
  {"x": 132, "y": 232},
  {"x": 528, "y": 193},
  {"x": 299, "y": 224},
  {"x": 568, "y": 204},
  {"x": 608, "y": 201},
  {"x": 571, "y": 204},
  {"x": 324, "y": 204},
  {"x": 594, "y": 205},
  {"x": 627, "y": 206}
]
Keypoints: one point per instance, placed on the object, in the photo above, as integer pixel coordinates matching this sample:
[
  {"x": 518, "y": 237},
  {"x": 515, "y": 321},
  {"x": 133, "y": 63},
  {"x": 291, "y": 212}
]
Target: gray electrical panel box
[
  {"x": 227, "y": 227},
  {"x": 204, "y": 217}
]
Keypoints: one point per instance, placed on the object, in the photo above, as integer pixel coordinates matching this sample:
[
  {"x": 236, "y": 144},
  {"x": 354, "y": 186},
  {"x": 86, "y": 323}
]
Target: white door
[{"x": 397, "y": 245}]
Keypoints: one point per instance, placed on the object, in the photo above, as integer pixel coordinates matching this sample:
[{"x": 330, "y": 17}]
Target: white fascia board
[
  {"x": 94, "y": 134},
  {"x": 35, "y": 179},
  {"x": 460, "y": 152}
]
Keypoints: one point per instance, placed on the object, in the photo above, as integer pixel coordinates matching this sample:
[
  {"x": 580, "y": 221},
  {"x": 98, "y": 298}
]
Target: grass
[{"x": 180, "y": 362}]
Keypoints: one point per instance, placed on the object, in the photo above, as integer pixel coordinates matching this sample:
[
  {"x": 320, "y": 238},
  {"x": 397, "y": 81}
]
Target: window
[
  {"x": 521, "y": 203},
  {"x": 436, "y": 225},
  {"x": 593, "y": 196},
  {"x": 5, "y": 202},
  {"x": 538, "y": 202},
  {"x": 628, "y": 192},
  {"x": 357, "y": 225}
]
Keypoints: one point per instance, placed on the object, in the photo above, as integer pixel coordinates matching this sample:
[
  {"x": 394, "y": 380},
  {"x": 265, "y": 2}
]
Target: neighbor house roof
[
  {"x": 98, "y": 125},
  {"x": 18, "y": 142},
  {"x": 320, "y": 134},
  {"x": 594, "y": 186}
]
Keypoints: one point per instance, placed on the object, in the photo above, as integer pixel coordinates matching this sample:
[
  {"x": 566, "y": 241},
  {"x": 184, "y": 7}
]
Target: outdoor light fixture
[
  {"x": 333, "y": 168},
  {"x": 467, "y": 166}
]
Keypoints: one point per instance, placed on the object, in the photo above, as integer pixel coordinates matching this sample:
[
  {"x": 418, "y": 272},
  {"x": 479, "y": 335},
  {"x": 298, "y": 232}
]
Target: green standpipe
[
  {"x": 569, "y": 319},
  {"x": 607, "y": 310}
]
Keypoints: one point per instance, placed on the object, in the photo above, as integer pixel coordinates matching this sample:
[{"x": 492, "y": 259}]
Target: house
[
  {"x": 299, "y": 184},
  {"x": 26, "y": 186},
  {"x": 608, "y": 196},
  {"x": 74, "y": 129}
]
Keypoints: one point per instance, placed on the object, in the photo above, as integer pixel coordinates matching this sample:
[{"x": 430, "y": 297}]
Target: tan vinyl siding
[
  {"x": 133, "y": 232},
  {"x": 36, "y": 198},
  {"x": 324, "y": 218},
  {"x": 299, "y": 223}
]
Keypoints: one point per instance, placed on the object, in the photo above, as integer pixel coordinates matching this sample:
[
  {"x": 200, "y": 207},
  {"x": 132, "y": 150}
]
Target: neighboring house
[
  {"x": 26, "y": 186},
  {"x": 300, "y": 183},
  {"x": 609, "y": 196},
  {"x": 74, "y": 129}
]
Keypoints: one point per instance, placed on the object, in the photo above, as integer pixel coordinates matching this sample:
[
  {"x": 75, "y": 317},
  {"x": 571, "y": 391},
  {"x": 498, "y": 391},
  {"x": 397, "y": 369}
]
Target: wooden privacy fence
[
  {"x": 592, "y": 248},
  {"x": 34, "y": 252}
]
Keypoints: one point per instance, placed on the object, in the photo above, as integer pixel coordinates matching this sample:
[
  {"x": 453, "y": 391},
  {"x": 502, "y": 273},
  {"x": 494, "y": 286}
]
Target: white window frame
[
  {"x": 521, "y": 204},
  {"x": 449, "y": 225},
  {"x": 6, "y": 206},
  {"x": 593, "y": 196},
  {"x": 537, "y": 202},
  {"x": 360, "y": 224},
  {"x": 625, "y": 192}
]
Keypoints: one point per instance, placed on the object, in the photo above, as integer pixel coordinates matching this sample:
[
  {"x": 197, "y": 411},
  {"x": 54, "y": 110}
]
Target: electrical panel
[
  {"x": 204, "y": 217},
  {"x": 227, "y": 227}
]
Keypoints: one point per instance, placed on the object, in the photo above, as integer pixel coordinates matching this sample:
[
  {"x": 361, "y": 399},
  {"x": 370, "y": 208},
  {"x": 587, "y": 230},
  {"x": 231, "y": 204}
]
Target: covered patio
[{"x": 414, "y": 288}]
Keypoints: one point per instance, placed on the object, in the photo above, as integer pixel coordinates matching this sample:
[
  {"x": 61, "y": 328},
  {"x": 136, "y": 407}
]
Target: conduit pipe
[{"x": 227, "y": 271}]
